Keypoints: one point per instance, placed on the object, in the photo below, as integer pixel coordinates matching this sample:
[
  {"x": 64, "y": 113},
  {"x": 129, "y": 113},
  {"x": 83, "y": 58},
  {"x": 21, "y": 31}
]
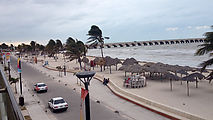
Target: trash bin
[{"x": 21, "y": 100}]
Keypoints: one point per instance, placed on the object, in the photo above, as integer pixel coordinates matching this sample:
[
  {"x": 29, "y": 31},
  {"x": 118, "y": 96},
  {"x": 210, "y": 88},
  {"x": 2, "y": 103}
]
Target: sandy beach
[{"x": 198, "y": 104}]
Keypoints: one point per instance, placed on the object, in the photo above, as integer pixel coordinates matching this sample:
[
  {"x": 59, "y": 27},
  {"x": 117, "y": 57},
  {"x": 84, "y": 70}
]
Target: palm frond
[
  {"x": 206, "y": 63},
  {"x": 205, "y": 49},
  {"x": 92, "y": 40},
  {"x": 93, "y": 44}
]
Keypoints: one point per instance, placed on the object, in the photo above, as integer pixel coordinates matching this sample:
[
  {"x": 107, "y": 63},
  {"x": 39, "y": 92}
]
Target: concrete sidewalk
[{"x": 33, "y": 108}]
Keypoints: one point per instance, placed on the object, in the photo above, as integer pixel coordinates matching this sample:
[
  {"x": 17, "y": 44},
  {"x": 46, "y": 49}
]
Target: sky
[{"x": 22, "y": 21}]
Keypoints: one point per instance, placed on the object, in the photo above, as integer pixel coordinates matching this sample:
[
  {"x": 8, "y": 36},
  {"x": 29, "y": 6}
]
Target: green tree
[
  {"x": 58, "y": 45},
  {"x": 11, "y": 47},
  {"x": 50, "y": 47},
  {"x": 76, "y": 49},
  {"x": 96, "y": 38},
  {"x": 33, "y": 45},
  {"x": 4, "y": 46},
  {"x": 206, "y": 48}
]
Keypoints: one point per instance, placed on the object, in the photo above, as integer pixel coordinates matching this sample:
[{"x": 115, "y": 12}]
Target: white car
[
  {"x": 38, "y": 87},
  {"x": 57, "y": 103}
]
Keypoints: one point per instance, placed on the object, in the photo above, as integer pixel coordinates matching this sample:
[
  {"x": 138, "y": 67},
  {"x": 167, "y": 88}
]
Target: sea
[{"x": 173, "y": 54}]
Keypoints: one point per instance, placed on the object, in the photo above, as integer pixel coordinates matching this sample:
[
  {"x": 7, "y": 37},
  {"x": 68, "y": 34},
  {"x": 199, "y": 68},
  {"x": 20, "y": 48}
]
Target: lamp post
[
  {"x": 21, "y": 98},
  {"x": 85, "y": 77},
  {"x": 9, "y": 69},
  {"x": 64, "y": 65}
]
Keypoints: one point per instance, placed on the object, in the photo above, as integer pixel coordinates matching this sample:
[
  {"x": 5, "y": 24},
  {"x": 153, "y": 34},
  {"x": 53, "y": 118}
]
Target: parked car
[
  {"x": 57, "y": 103},
  {"x": 38, "y": 87}
]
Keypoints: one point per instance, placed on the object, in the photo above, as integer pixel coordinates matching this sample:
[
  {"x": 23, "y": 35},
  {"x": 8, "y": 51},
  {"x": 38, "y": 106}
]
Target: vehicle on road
[
  {"x": 57, "y": 103},
  {"x": 39, "y": 87}
]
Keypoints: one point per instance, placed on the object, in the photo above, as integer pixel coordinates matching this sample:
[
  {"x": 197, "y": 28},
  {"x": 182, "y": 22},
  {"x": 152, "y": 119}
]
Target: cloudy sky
[{"x": 121, "y": 20}]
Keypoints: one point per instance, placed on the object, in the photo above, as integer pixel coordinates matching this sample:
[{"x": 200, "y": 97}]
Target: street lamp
[{"x": 85, "y": 77}]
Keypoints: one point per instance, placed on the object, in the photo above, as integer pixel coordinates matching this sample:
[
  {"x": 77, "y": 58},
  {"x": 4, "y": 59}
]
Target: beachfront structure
[{"x": 152, "y": 42}]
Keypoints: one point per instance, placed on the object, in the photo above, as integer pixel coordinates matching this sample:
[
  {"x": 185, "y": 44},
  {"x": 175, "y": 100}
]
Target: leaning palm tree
[
  {"x": 76, "y": 49},
  {"x": 96, "y": 38},
  {"x": 206, "y": 48}
]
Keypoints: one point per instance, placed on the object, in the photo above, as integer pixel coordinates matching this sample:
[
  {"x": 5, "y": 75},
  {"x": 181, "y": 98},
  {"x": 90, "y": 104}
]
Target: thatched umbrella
[
  {"x": 117, "y": 61},
  {"x": 136, "y": 68},
  {"x": 130, "y": 61},
  {"x": 171, "y": 77},
  {"x": 197, "y": 76},
  {"x": 124, "y": 68},
  {"x": 109, "y": 62},
  {"x": 182, "y": 71},
  {"x": 187, "y": 68},
  {"x": 188, "y": 79},
  {"x": 100, "y": 61}
]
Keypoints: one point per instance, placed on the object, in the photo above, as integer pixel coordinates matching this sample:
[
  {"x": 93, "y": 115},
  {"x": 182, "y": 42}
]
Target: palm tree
[
  {"x": 33, "y": 45},
  {"x": 96, "y": 38},
  {"x": 4, "y": 46},
  {"x": 206, "y": 48},
  {"x": 76, "y": 49},
  {"x": 58, "y": 46},
  {"x": 50, "y": 47}
]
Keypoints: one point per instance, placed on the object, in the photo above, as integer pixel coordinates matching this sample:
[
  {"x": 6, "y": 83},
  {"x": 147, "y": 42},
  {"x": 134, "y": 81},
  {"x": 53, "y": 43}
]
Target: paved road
[{"x": 98, "y": 111}]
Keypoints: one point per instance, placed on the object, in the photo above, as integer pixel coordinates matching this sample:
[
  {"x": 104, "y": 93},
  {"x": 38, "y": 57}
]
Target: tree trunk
[
  {"x": 102, "y": 54},
  {"x": 79, "y": 60}
]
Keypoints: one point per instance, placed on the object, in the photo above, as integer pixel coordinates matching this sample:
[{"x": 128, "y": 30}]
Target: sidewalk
[{"x": 33, "y": 108}]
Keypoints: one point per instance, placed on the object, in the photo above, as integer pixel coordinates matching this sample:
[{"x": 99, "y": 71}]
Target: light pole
[
  {"x": 21, "y": 98},
  {"x": 64, "y": 65},
  {"x": 9, "y": 69},
  {"x": 85, "y": 77}
]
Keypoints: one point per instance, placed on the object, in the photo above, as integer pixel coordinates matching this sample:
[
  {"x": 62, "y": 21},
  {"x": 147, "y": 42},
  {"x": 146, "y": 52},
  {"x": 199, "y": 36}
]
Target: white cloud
[
  {"x": 172, "y": 29},
  {"x": 202, "y": 27}
]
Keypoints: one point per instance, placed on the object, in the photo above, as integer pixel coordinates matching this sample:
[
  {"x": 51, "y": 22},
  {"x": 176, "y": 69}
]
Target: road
[{"x": 98, "y": 111}]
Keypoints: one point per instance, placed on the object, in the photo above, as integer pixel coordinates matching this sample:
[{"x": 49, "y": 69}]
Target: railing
[{"x": 9, "y": 109}]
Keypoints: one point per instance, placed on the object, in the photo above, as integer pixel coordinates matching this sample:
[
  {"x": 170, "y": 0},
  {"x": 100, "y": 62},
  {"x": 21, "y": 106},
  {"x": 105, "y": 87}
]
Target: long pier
[{"x": 150, "y": 43}]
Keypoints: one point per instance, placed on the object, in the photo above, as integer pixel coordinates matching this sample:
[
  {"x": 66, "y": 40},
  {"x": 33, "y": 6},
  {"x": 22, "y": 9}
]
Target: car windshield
[
  {"x": 59, "y": 101},
  {"x": 41, "y": 85}
]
